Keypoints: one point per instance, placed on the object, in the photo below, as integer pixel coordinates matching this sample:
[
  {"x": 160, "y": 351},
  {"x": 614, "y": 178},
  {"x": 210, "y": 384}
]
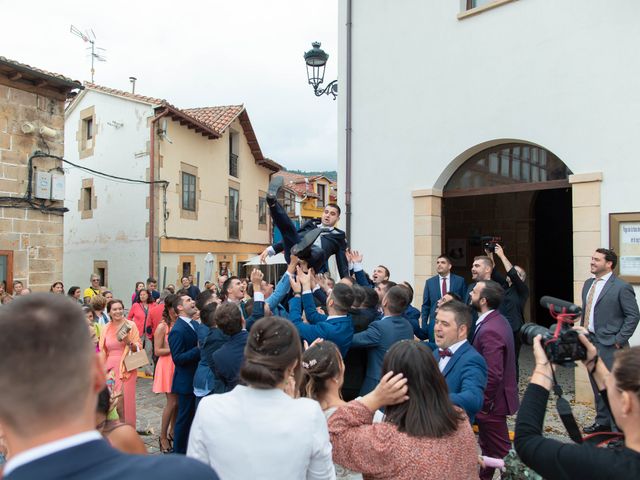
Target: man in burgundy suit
[{"x": 493, "y": 339}]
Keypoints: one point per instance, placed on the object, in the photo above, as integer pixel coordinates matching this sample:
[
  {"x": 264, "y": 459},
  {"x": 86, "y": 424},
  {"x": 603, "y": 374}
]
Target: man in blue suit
[
  {"x": 464, "y": 369},
  {"x": 437, "y": 287},
  {"x": 383, "y": 333},
  {"x": 337, "y": 326},
  {"x": 183, "y": 341},
  {"x": 226, "y": 361},
  {"x": 50, "y": 426}
]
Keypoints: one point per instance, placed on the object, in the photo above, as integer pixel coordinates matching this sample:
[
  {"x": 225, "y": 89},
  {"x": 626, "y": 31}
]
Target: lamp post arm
[{"x": 330, "y": 89}]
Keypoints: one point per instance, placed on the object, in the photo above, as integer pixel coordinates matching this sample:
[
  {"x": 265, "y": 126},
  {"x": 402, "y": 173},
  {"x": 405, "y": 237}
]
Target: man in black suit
[
  {"x": 610, "y": 313},
  {"x": 183, "y": 342},
  {"x": 48, "y": 404},
  {"x": 315, "y": 241}
]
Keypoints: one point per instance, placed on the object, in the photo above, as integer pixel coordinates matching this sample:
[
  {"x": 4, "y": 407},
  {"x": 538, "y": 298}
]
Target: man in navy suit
[
  {"x": 464, "y": 369},
  {"x": 382, "y": 334},
  {"x": 49, "y": 424},
  {"x": 493, "y": 339},
  {"x": 437, "y": 287},
  {"x": 315, "y": 241},
  {"x": 337, "y": 326},
  {"x": 226, "y": 361},
  {"x": 183, "y": 342}
]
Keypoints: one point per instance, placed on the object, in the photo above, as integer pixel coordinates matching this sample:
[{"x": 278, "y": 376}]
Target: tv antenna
[{"x": 97, "y": 53}]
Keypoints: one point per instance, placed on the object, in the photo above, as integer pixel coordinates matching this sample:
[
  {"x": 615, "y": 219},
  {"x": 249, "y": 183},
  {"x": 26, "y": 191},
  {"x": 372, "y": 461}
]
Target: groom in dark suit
[
  {"x": 183, "y": 342},
  {"x": 437, "y": 287},
  {"x": 493, "y": 339},
  {"x": 48, "y": 404},
  {"x": 611, "y": 314},
  {"x": 464, "y": 369},
  {"x": 315, "y": 241}
]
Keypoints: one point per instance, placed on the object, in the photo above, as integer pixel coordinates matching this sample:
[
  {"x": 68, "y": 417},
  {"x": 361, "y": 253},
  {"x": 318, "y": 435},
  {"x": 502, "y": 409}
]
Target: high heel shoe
[{"x": 162, "y": 449}]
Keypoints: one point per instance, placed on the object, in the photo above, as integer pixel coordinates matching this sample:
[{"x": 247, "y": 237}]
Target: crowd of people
[{"x": 305, "y": 378}]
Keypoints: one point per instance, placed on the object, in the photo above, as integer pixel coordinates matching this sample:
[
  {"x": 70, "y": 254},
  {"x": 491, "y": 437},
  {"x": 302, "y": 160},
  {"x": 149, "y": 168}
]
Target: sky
[{"x": 196, "y": 54}]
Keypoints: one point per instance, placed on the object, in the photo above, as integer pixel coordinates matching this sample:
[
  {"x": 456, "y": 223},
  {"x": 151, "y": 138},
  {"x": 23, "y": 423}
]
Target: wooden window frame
[
  {"x": 190, "y": 192},
  {"x": 193, "y": 171},
  {"x": 9, "y": 279},
  {"x": 229, "y": 232}
]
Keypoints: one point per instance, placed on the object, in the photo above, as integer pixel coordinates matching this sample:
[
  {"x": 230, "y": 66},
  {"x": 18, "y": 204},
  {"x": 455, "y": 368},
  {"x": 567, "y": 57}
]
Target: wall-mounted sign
[{"x": 624, "y": 236}]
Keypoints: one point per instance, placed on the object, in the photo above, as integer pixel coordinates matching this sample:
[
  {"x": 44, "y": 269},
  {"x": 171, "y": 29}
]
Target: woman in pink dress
[
  {"x": 113, "y": 353},
  {"x": 163, "y": 377}
]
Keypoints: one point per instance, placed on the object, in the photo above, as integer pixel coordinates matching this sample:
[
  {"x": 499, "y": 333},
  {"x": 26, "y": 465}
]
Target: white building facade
[
  {"x": 453, "y": 99},
  {"x": 106, "y": 225}
]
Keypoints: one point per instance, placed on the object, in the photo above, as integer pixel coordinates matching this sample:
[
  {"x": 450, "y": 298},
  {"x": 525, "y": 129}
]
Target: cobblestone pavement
[{"x": 150, "y": 405}]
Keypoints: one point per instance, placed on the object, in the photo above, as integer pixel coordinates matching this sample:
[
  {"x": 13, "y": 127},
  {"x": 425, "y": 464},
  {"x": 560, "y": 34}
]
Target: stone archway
[{"x": 586, "y": 215}]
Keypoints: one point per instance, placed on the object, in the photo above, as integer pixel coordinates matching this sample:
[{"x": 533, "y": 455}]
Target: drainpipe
[
  {"x": 152, "y": 166},
  {"x": 347, "y": 187}
]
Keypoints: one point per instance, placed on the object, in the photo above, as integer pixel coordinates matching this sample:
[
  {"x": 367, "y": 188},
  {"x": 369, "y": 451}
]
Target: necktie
[
  {"x": 444, "y": 286},
  {"x": 587, "y": 310},
  {"x": 445, "y": 353}
]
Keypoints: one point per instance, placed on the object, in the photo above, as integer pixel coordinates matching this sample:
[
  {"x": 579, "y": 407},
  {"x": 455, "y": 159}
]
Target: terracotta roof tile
[
  {"x": 9, "y": 64},
  {"x": 129, "y": 95},
  {"x": 217, "y": 118}
]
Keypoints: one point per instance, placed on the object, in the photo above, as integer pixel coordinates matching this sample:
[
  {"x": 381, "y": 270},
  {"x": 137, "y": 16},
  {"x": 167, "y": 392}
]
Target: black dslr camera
[
  {"x": 489, "y": 242},
  {"x": 560, "y": 342}
]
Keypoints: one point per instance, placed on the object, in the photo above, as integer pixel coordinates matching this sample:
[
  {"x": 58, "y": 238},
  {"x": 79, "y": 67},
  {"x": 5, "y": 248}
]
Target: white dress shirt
[
  {"x": 598, "y": 286},
  {"x": 447, "y": 280},
  {"x": 481, "y": 318},
  {"x": 46, "y": 449},
  {"x": 255, "y": 433},
  {"x": 444, "y": 360}
]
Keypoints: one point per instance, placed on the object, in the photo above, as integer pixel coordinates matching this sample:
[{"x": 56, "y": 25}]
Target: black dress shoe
[
  {"x": 595, "y": 428},
  {"x": 275, "y": 185}
]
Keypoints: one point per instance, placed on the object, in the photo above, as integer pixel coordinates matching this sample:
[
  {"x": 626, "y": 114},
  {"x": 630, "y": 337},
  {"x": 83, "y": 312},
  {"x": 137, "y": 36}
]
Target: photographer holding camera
[{"x": 620, "y": 389}]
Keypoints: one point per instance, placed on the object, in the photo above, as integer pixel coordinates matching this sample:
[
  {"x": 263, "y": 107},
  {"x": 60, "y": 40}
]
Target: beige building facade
[{"x": 31, "y": 233}]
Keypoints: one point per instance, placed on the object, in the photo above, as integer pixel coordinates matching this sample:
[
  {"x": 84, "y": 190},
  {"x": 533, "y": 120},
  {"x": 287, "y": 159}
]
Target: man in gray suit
[{"x": 610, "y": 313}]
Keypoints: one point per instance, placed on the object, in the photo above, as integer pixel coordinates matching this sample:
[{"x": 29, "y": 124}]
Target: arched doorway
[{"x": 521, "y": 193}]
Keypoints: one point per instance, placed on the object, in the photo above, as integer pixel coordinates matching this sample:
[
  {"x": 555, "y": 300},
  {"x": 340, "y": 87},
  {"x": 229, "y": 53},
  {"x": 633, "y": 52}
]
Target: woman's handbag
[{"x": 135, "y": 360}]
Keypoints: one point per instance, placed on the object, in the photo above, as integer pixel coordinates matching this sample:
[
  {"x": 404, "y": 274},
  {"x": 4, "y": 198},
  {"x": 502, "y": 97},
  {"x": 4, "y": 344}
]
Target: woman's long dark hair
[{"x": 428, "y": 412}]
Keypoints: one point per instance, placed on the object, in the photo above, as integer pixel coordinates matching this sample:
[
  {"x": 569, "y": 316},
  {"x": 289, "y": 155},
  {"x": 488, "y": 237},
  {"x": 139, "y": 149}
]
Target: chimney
[{"x": 133, "y": 84}]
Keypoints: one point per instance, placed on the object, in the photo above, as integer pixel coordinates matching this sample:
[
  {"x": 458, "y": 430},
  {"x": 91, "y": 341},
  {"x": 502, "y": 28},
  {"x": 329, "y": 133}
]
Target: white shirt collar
[
  {"x": 335, "y": 316},
  {"x": 49, "y": 448},
  {"x": 606, "y": 277},
  {"x": 482, "y": 317},
  {"x": 453, "y": 348},
  {"x": 445, "y": 277},
  {"x": 186, "y": 319}
]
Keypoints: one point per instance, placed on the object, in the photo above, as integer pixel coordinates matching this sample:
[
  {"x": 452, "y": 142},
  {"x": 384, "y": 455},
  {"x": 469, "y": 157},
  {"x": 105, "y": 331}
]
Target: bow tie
[{"x": 445, "y": 353}]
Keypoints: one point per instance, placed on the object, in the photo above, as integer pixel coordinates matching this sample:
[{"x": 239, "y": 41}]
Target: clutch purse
[{"x": 123, "y": 331}]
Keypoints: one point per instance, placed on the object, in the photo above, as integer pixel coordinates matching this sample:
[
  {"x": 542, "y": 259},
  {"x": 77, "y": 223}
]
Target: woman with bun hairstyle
[{"x": 259, "y": 430}]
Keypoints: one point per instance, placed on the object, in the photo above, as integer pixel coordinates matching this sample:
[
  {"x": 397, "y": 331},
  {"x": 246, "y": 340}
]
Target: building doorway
[{"x": 520, "y": 193}]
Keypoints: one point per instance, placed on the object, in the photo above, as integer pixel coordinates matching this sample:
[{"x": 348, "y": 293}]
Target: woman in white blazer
[{"x": 258, "y": 430}]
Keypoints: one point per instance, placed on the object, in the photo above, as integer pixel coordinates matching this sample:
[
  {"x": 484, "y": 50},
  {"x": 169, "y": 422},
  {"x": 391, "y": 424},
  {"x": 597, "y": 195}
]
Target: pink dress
[
  {"x": 163, "y": 377},
  {"x": 114, "y": 350}
]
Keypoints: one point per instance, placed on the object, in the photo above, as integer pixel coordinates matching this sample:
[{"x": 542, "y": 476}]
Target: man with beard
[{"x": 493, "y": 340}]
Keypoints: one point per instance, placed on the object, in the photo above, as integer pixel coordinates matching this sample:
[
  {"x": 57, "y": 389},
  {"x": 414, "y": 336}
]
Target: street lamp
[{"x": 316, "y": 60}]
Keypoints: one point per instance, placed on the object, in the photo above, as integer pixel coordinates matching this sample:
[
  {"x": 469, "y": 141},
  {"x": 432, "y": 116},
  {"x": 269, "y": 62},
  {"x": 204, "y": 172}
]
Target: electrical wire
[{"x": 39, "y": 154}]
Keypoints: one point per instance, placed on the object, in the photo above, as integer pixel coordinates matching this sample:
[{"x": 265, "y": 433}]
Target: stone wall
[{"x": 35, "y": 238}]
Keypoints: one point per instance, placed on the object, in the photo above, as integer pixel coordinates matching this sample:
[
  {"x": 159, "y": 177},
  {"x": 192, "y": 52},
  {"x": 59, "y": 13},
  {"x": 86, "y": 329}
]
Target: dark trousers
[
  {"x": 287, "y": 228},
  {"x": 186, "y": 411},
  {"x": 493, "y": 437},
  {"x": 603, "y": 416}
]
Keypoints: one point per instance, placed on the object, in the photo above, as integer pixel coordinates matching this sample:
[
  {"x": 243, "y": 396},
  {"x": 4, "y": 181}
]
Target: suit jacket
[
  {"x": 378, "y": 338},
  {"x": 339, "y": 330},
  {"x": 97, "y": 460},
  {"x": 227, "y": 362},
  {"x": 333, "y": 243},
  {"x": 433, "y": 293},
  {"x": 615, "y": 313},
  {"x": 214, "y": 341},
  {"x": 515, "y": 297},
  {"x": 355, "y": 363},
  {"x": 493, "y": 339},
  {"x": 466, "y": 377},
  {"x": 412, "y": 314},
  {"x": 183, "y": 342}
]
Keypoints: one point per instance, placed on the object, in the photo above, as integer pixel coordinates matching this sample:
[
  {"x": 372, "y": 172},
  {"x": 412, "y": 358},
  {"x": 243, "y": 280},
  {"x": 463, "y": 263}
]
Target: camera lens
[{"x": 529, "y": 331}]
